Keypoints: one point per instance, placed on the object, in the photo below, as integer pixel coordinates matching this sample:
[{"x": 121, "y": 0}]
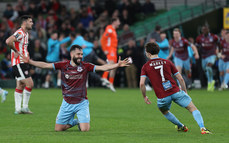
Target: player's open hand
[
  {"x": 147, "y": 101},
  {"x": 124, "y": 63},
  {"x": 25, "y": 59},
  {"x": 197, "y": 56}
]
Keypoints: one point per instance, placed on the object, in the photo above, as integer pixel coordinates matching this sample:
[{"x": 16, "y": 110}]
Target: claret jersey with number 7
[{"x": 160, "y": 71}]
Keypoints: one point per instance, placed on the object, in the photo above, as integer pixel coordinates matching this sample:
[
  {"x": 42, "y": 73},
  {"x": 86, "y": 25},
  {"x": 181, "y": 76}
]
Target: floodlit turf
[{"x": 119, "y": 117}]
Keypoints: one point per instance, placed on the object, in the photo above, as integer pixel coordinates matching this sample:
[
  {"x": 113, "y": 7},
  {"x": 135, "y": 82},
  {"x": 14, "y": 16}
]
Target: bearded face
[{"x": 77, "y": 60}]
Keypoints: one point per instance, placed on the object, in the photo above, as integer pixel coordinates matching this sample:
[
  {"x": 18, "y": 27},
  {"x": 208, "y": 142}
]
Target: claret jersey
[
  {"x": 73, "y": 80},
  {"x": 160, "y": 71}
]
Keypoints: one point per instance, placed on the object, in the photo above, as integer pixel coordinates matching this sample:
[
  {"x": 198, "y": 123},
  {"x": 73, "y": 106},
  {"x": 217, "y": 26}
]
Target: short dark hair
[
  {"x": 157, "y": 28},
  {"x": 24, "y": 18},
  {"x": 152, "y": 48},
  {"x": 75, "y": 47},
  {"x": 177, "y": 30},
  {"x": 73, "y": 34},
  {"x": 54, "y": 32},
  {"x": 114, "y": 19}
]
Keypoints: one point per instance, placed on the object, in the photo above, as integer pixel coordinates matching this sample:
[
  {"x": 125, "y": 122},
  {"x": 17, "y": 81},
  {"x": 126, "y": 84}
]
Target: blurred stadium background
[
  {"x": 138, "y": 20},
  {"x": 115, "y": 117}
]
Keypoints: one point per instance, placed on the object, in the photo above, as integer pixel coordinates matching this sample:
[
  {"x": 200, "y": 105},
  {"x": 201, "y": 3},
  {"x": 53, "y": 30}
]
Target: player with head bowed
[
  {"x": 73, "y": 82},
  {"x": 160, "y": 72},
  {"x": 18, "y": 42}
]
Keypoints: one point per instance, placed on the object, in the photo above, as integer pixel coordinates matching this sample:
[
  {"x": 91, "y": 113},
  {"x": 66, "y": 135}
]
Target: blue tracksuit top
[
  {"x": 164, "y": 49},
  {"x": 81, "y": 42},
  {"x": 53, "y": 54}
]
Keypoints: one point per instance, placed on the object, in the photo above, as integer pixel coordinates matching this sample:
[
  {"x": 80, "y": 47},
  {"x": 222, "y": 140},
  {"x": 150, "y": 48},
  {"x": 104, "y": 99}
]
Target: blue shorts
[
  {"x": 67, "y": 112},
  {"x": 221, "y": 65},
  {"x": 181, "y": 63},
  {"x": 226, "y": 66},
  {"x": 181, "y": 98},
  {"x": 207, "y": 60}
]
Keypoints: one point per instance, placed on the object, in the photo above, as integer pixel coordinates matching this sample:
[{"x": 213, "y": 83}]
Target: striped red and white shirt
[{"x": 21, "y": 45}]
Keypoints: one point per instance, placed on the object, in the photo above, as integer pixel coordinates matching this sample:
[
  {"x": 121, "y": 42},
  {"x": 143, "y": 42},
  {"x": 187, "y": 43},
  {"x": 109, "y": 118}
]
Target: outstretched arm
[
  {"x": 39, "y": 64},
  {"x": 107, "y": 67},
  {"x": 143, "y": 89}
]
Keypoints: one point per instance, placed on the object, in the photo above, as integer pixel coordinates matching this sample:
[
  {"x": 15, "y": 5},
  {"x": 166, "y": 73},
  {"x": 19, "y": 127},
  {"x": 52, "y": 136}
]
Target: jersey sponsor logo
[
  {"x": 67, "y": 76},
  {"x": 18, "y": 34}
]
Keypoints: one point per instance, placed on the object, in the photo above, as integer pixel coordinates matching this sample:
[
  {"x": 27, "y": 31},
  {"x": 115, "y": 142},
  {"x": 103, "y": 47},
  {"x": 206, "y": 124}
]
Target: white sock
[
  {"x": 18, "y": 98},
  {"x": 26, "y": 96},
  {"x": 58, "y": 82},
  {"x": 46, "y": 84},
  {"x": 1, "y": 91}
]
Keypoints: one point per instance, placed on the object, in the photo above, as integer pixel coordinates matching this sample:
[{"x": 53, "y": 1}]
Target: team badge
[
  {"x": 66, "y": 76},
  {"x": 211, "y": 39},
  {"x": 26, "y": 72},
  {"x": 79, "y": 69}
]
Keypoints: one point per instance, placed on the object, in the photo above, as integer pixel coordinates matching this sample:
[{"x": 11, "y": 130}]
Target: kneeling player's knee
[
  {"x": 59, "y": 129},
  {"x": 84, "y": 129}
]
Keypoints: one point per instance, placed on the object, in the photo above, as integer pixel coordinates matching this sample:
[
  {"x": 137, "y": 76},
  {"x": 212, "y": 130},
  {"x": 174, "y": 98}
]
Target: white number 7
[{"x": 161, "y": 72}]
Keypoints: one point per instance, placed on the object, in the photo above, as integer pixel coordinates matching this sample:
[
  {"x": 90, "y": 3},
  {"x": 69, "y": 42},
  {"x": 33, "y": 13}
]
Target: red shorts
[{"x": 112, "y": 56}]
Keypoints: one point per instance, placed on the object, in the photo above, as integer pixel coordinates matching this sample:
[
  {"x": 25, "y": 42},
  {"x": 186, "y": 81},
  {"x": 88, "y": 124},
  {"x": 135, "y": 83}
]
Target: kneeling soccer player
[
  {"x": 73, "y": 81},
  {"x": 159, "y": 72}
]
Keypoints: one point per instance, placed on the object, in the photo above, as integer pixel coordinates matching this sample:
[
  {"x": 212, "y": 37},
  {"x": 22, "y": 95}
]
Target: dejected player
[
  {"x": 74, "y": 77},
  {"x": 18, "y": 42},
  {"x": 160, "y": 72}
]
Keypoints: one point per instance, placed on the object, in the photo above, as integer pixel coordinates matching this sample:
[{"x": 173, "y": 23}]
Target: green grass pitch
[{"x": 120, "y": 117}]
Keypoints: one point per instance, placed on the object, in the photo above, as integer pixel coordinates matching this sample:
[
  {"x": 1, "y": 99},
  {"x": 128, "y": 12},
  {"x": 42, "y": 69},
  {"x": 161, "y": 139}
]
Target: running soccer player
[
  {"x": 18, "y": 42},
  {"x": 225, "y": 57},
  {"x": 208, "y": 43},
  {"x": 74, "y": 76},
  {"x": 180, "y": 47},
  {"x": 109, "y": 43},
  {"x": 160, "y": 72}
]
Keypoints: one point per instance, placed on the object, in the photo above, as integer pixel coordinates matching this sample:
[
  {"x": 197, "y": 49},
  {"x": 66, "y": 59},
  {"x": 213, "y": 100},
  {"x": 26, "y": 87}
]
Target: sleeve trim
[
  {"x": 53, "y": 66},
  {"x": 176, "y": 73}
]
